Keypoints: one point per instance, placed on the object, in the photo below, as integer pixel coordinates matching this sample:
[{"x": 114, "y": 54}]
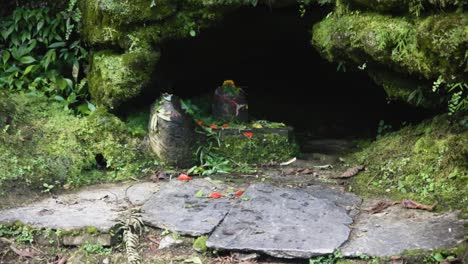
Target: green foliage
[
  {"x": 45, "y": 147},
  {"x": 39, "y": 55},
  {"x": 22, "y": 233},
  {"x": 96, "y": 249},
  {"x": 383, "y": 129},
  {"x": 426, "y": 162},
  {"x": 330, "y": 259}
]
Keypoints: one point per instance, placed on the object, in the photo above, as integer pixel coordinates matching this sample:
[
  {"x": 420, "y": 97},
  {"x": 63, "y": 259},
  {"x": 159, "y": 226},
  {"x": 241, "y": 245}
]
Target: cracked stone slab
[
  {"x": 396, "y": 229},
  {"x": 98, "y": 207},
  {"x": 349, "y": 201},
  {"x": 282, "y": 222},
  {"x": 177, "y": 208}
]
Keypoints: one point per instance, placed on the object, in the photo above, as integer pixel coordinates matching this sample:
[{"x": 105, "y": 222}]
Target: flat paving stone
[
  {"x": 177, "y": 208},
  {"x": 98, "y": 207},
  {"x": 396, "y": 229},
  {"x": 282, "y": 222},
  {"x": 337, "y": 195}
]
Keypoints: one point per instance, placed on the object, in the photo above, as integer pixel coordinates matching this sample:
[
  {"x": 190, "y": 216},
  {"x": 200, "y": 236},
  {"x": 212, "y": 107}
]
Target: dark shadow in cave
[{"x": 268, "y": 52}]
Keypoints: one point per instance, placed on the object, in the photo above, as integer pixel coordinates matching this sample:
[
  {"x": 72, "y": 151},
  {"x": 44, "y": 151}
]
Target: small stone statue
[
  {"x": 172, "y": 132},
  {"x": 230, "y": 103}
]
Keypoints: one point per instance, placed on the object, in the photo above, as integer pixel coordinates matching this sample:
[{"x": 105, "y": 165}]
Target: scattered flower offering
[
  {"x": 216, "y": 195},
  {"x": 225, "y": 125},
  {"x": 214, "y": 127},
  {"x": 249, "y": 134},
  {"x": 239, "y": 193},
  {"x": 184, "y": 177}
]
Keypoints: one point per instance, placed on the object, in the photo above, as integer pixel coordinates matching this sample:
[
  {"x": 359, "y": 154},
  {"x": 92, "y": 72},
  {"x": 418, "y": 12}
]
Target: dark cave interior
[{"x": 268, "y": 52}]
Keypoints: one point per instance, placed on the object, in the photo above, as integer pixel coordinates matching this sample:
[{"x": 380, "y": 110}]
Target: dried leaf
[
  {"x": 410, "y": 204},
  {"x": 22, "y": 253},
  {"x": 380, "y": 206},
  {"x": 62, "y": 260},
  {"x": 307, "y": 171},
  {"x": 351, "y": 172}
]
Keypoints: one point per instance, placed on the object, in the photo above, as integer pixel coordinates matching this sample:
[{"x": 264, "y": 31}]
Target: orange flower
[
  {"x": 225, "y": 125},
  {"x": 239, "y": 192},
  {"x": 249, "y": 134},
  {"x": 184, "y": 177},
  {"x": 200, "y": 123},
  {"x": 229, "y": 82},
  {"x": 216, "y": 195},
  {"x": 214, "y": 127}
]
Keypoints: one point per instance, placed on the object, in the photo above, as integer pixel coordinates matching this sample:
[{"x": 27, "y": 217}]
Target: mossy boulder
[
  {"x": 404, "y": 6},
  {"x": 104, "y": 20},
  {"x": 116, "y": 78},
  {"x": 425, "y": 162},
  {"x": 422, "y": 49},
  {"x": 46, "y": 144},
  {"x": 257, "y": 146},
  {"x": 428, "y": 47}
]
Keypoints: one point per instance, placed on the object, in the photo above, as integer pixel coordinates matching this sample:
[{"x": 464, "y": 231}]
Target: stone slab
[
  {"x": 81, "y": 239},
  {"x": 337, "y": 195},
  {"x": 282, "y": 222},
  {"x": 177, "y": 208},
  {"x": 397, "y": 229},
  {"x": 98, "y": 207}
]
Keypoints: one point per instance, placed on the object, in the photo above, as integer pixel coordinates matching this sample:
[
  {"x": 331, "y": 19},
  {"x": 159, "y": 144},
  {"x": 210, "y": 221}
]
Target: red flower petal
[
  {"x": 216, "y": 195},
  {"x": 248, "y": 134},
  {"x": 200, "y": 123},
  {"x": 214, "y": 127},
  {"x": 184, "y": 177},
  {"x": 225, "y": 125},
  {"x": 239, "y": 193}
]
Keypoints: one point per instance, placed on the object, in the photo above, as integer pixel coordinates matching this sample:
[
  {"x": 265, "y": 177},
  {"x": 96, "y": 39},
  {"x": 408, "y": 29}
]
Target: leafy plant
[
  {"x": 330, "y": 259},
  {"x": 39, "y": 55},
  {"x": 97, "y": 249},
  {"x": 458, "y": 101}
]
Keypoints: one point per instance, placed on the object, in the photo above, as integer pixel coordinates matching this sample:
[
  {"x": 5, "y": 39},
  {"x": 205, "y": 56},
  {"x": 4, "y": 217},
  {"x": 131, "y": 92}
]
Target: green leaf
[
  {"x": 91, "y": 107},
  {"x": 438, "y": 257},
  {"x": 59, "y": 98},
  {"x": 27, "y": 60},
  {"x": 6, "y": 56},
  {"x": 61, "y": 83},
  {"x": 193, "y": 33},
  {"x": 200, "y": 193},
  {"x": 28, "y": 69},
  {"x": 40, "y": 25},
  {"x": 57, "y": 45}
]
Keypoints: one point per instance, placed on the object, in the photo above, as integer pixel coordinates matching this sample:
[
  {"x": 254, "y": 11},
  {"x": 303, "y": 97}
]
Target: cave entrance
[{"x": 268, "y": 52}]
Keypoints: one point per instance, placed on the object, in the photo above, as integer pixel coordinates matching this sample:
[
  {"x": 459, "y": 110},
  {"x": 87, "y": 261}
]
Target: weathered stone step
[
  {"x": 282, "y": 222},
  {"x": 177, "y": 208}
]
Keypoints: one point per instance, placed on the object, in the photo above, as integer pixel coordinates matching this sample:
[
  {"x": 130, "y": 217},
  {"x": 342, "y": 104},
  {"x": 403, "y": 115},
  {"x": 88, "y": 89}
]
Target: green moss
[
  {"x": 200, "y": 244},
  {"x": 399, "y": 87},
  {"x": 116, "y": 78},
  {"x": 105, "y": 20},
  {"x": 46, "y": 144},
  {"x": 415, "y": 7},
  {"x": 427, "y": 162},
  {"x": 428, "y": 47},
  {"x": 261, "y": 148}
]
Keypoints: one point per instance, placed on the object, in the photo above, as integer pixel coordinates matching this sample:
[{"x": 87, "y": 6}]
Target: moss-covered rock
[
  {"x": 116, "y": 78},
  {"x": 426, "y": 162},
  {"x": 415, "y": 7},
  {"x": 46, "y": 144},
  {"x": 429, "y": 47},
  {"x": 104, "y": 20},
  {"x": 401, "y": 87},
  {"x": 425, "y": 48},
  {"x": 256, "y": 146}
]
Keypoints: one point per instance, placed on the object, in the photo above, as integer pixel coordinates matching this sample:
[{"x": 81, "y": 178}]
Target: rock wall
[
  {"x": 403, "y": 46},
  {"x": 125, "y": 35}
]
